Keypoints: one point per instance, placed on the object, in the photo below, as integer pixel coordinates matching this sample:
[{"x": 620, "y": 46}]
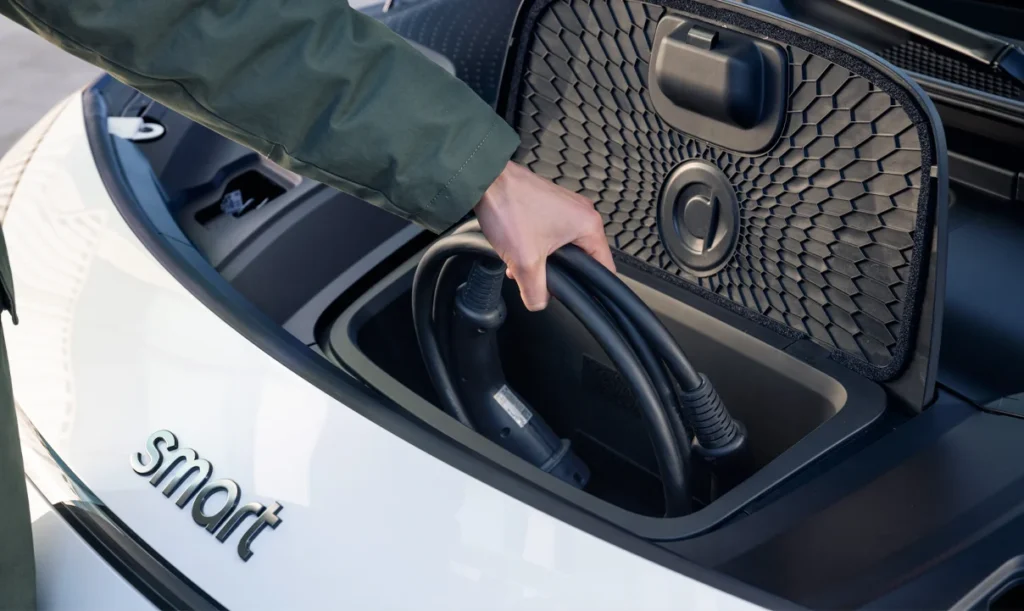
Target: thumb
[
  {"x": 533, "y": 285},
  {"x": 596, "y": 245}
]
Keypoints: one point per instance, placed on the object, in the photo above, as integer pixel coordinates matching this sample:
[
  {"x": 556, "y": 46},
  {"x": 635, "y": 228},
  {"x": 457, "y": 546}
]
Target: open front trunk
[
  {"x": 779, "y": 204},
  {"x": 772, "y": 194},
  {"x": 789, "y": 407},
  {"x": 796, "y": 250}
]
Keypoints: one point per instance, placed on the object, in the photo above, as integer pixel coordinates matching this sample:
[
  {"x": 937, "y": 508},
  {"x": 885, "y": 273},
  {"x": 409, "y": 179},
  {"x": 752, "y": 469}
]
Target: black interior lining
[{"x": 914, "y": 107}]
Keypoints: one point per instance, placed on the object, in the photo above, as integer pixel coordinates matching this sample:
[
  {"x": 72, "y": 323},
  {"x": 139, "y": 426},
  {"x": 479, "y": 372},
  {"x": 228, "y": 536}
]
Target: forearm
[{"x": 316, "y": 86}]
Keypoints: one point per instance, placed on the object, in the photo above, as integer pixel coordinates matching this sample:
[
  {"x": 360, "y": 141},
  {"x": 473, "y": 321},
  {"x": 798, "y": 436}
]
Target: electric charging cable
[{"x": 677, "y": 402}]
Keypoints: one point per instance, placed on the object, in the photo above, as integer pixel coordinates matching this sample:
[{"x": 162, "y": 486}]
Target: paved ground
[{"x": 36, "y": 75}]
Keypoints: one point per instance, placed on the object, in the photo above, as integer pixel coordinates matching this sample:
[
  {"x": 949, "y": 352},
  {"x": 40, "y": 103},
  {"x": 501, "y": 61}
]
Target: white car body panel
[
  {"x": 69, "y": 573},
  {"x": 111, "y": 348}
]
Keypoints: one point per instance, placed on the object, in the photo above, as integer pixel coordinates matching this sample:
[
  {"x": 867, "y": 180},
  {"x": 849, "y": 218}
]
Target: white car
[{"x": 222, "y": 398}]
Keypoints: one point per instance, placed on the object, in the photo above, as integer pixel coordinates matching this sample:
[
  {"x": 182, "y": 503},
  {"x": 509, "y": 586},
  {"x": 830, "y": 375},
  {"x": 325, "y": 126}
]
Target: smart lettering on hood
[{"x": 182, "y": 469}]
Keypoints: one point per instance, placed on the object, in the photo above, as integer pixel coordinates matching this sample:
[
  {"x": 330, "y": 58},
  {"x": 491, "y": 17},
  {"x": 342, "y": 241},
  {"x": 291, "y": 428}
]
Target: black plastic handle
[
  {"x": 718, "y": 85},
  {"x": 716, "y": 74}
]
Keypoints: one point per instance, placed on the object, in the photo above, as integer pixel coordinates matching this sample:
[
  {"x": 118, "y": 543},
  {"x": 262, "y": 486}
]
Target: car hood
[{"x": 111, "y": 350}]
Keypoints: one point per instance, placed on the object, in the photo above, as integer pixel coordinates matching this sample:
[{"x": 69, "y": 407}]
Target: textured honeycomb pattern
[
  {"x": 925, "y": 60},
  {"x": 473, "y": 34},
  {"x": 827, "y": 215}
]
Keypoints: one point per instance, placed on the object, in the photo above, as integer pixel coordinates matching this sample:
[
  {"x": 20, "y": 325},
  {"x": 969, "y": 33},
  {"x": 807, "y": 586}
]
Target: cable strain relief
[
  {"x": 482, "y": 291},
  {"x": 707, "y": 418},
  {"x": 565, "y": 465}
]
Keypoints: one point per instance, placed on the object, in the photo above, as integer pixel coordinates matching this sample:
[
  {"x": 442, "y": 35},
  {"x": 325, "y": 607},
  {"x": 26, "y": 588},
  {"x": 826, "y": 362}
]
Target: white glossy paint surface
[
  {"x": 70, "y": 574},
  {"x": 110, "y": 349}
]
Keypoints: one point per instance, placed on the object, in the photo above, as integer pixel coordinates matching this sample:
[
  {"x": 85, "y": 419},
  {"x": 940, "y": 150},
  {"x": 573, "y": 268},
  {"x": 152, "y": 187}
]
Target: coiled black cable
[{"x": 634, "y": 339}]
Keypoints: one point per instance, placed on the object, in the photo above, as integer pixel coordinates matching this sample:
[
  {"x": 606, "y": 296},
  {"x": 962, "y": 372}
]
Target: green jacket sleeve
[{"x": 314, "y": 85}]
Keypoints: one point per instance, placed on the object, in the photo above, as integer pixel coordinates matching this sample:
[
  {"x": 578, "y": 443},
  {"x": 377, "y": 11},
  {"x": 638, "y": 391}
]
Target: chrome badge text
[{"x": 163, "y": 458}]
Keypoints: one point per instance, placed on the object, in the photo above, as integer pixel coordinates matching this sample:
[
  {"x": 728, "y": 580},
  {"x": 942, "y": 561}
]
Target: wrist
[{"x": 496, "y": 192}]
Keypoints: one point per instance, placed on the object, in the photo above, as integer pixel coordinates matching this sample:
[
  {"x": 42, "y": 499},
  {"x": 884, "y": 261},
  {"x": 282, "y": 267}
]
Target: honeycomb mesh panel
[
  {"x": 473, "y": 34},
  {"x": 828, "y": 214},
  {"x": 920, "y": 58}
]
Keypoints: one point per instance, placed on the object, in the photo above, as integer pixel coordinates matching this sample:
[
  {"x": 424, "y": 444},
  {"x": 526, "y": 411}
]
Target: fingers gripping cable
[{"x": 678, "y": 404}]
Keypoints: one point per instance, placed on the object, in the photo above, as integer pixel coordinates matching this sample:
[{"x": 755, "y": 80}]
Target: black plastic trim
[
  {"x": 306, "y": 322},
  {"x": 964, "y": 98},
  {"x": 1005, "y": 577},
  {"x": 967, "y": 42},
  {"x": 985, "y": 177},
  {"x": 914, "y": 520},
  {"x": 474, "y": 455}
]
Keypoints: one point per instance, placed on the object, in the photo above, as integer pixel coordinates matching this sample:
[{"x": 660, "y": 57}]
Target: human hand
[{"x": 526, "y": 218}]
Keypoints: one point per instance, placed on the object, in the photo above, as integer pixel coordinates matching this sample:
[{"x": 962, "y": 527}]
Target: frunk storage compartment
[
  {"x": 794, "y": 411},
  {"x": 795, "y": 250}
]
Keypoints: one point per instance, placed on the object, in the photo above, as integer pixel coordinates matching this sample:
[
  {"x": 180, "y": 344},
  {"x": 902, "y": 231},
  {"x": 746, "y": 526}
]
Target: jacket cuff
[{"x": 464, "y": 189}]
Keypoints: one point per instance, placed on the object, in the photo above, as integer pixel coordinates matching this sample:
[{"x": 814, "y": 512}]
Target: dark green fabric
[
  {"x": 17, "y": 562},
  {"x": 6, "y": 281},
  {"x": 313, "y": 84}
]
